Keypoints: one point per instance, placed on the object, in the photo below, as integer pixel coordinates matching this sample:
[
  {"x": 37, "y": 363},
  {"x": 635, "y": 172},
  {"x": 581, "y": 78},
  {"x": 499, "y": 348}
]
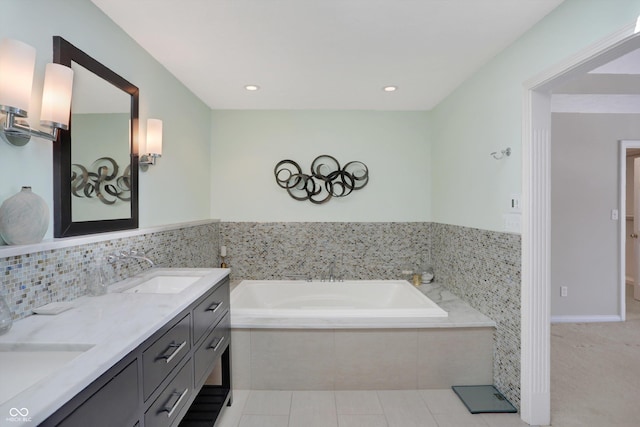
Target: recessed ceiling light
[
  {"x": 390, "y": 88},
  {"x": 252, "y": 87}
]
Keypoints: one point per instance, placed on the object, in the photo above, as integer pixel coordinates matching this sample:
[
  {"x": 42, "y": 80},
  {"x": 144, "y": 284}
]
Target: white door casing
[
  {"x": 636, "y": 226},
  {"x": 535, "y": 396}
]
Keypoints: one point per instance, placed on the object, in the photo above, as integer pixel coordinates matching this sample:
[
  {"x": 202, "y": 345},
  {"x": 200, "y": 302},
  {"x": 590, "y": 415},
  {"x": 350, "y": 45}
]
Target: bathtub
[{"x": 335, "y": 305}]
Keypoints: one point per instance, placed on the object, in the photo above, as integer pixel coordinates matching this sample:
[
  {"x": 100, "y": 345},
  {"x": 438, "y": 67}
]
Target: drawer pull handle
[
  {"x": 214, "y": 307},
  {"x": 172, "y": 351},
  {"x": 217, "y": 344},
  {"x": 174, "y": 402}
]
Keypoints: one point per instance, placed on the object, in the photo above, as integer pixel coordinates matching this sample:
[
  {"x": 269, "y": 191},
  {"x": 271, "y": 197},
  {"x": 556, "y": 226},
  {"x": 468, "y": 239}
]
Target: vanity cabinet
[
  {"x": 161, "y": 382},
  {"x": 113, "y": 404}
]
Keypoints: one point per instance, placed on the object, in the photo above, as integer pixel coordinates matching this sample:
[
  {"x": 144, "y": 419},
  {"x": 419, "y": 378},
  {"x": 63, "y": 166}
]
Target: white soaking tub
[{"x": 335, "y": 305}]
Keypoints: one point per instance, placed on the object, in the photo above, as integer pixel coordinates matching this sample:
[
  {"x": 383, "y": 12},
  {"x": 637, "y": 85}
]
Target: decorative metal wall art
[
  {"x": 327, "y": 179},
  {"x": 102, "y": 181}
]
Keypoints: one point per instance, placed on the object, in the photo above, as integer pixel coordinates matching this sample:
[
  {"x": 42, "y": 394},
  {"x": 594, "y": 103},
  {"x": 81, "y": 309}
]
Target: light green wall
[
  {"x": 246, "y": 146},
  {"x": 484, "y": 113},
  {"x": 177, "y": 188}
]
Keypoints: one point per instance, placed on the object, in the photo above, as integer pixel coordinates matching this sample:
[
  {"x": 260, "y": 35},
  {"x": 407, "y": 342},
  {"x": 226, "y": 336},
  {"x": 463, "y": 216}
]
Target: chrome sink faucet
[{"x": 132, "y": 254}]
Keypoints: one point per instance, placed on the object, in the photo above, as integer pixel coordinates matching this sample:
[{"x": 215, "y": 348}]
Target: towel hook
[{"x": 505, "y": 152}]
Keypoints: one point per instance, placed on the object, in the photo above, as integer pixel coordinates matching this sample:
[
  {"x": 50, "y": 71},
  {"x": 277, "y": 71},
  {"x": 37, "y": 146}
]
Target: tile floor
[{"x": 388, "y": 408}]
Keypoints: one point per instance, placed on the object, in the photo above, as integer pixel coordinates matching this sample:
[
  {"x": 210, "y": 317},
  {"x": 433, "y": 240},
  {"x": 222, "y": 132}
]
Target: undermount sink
[
  {"x": 164, "y": 285},
  {"x": 24, "y": 364}
]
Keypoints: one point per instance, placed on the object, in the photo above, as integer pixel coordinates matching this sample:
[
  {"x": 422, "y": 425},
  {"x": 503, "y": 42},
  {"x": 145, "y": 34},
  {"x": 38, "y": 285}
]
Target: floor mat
[{"x": 481, "y": 399}]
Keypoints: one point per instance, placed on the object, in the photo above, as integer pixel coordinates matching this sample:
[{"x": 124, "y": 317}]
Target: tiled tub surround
[
  {"x": 362, "y": 251},
  {"x": 457, "y": 349},
  {"x": 483, "y": 268},
  {"x": 34, "y": 279}
]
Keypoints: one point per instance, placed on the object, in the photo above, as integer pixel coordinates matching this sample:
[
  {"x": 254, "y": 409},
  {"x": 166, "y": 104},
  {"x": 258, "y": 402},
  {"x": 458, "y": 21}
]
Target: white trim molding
[
  {"x": 67, "y": 242},
  {"x": 536, "y": 220},
  {"x": 598, "y": 318}
]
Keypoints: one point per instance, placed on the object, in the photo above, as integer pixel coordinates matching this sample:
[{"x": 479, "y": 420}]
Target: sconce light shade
[
  {"x": 17, "y": 63},
  {"x": 153, "y": 146},
  {"x": 154, "y": 137},
  {"x": 56, "y": 96}
]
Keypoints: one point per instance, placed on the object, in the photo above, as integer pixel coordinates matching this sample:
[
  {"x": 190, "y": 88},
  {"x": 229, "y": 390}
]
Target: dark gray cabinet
[{"x": 161, "y": 383}]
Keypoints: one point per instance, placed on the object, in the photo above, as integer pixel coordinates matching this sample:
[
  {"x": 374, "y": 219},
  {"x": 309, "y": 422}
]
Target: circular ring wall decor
[{"x": 327, "y": 179}]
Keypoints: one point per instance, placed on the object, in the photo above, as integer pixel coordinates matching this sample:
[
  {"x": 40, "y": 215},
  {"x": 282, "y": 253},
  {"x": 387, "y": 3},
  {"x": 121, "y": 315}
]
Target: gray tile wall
[
  {"x": 361, "y": 250},
  {"x": 35, "y": 279},
  {"x": 483, "y": 268}
]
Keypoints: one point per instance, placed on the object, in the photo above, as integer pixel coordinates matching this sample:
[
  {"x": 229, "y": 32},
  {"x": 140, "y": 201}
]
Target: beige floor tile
[
  {"x": 504, "y": 420},
  {"x": 230, "y": 415},
  {"x": 313, "y": 409},
  {"x": 362, "y": 421},
  {"x": 405, "y": 408},
  {"x": 376, "y": 359},
  {"x": 443, "y": 401},
  {"x": 268, "y": 402},
  {"x": 292, "y": 360},
  {"x": 358, "y": 402},
  {"x": 460, "y": 420},
  {"x": 264, "y": 421}
]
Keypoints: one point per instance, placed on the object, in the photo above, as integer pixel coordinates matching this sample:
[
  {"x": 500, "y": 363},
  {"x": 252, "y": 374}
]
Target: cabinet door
[
  {"x": 210, "y": 311},
  {"x": 212, "y": 347},
  {"x": 115, "y": 404}
]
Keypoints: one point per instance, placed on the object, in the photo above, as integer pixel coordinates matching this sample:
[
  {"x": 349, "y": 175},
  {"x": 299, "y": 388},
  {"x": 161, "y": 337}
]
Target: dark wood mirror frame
[{"x": 63, "y": 226}]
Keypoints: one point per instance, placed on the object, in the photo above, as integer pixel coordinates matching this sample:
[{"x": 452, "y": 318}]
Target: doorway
[
  {"x": 536, "y": 231},
  {"x": 630, "y": 189}
]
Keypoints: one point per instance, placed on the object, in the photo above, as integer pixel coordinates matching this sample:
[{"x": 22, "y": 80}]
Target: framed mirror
[{"x": 95, "y": 162}]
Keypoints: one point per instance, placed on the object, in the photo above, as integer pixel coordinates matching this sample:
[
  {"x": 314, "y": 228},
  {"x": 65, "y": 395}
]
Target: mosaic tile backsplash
[
  {"x": 35, "y": 279},
  {"x": 360, "y": 251},
  {"x": 484, "y": 269}
]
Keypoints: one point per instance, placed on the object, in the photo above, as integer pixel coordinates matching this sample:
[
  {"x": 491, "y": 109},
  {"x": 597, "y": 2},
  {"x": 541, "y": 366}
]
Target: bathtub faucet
[{"x": 331, "y": 273}]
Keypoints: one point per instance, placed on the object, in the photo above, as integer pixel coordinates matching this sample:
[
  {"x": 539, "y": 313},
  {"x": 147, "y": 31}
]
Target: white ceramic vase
[{"x": 24, "y": 218}]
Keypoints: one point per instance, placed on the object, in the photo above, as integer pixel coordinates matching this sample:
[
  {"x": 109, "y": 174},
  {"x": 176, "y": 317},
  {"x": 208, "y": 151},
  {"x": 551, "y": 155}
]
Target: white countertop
[{"x": 113, "y": 324}]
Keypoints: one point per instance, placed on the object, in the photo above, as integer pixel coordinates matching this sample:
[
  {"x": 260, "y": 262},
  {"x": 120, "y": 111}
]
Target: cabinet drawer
[
  {"x": 210, "y": 311},
  {"x": 114, "y": 404},
  {"x": 212, "y": 347},
  {"x": 165, "y": 409},
  {"x": 164, "y": 355}
]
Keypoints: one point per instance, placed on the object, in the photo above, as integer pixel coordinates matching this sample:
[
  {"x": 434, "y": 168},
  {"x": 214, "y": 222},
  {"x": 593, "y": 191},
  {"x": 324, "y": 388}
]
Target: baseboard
[{"x": 598, "y": 318}]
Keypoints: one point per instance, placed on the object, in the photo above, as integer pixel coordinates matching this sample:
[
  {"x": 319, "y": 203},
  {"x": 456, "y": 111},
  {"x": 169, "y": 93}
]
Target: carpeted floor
[{"x": 595, "y": 372}]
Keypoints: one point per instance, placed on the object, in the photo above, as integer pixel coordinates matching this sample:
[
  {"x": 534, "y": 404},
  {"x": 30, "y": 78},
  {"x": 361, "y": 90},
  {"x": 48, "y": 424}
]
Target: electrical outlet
[
  {"x": 563, "y": 291},
  {"x": 614, "y": 214}
]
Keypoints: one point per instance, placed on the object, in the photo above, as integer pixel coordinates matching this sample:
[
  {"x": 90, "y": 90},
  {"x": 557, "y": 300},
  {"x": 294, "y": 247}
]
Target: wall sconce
[
  {"x": 17, "y": 64},
  {"x": 153, "y": 148},
  {"x": 506, "y": 152}
]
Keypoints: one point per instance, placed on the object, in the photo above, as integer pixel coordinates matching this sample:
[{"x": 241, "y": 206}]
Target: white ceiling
[{"x": 324, "y": 54}]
